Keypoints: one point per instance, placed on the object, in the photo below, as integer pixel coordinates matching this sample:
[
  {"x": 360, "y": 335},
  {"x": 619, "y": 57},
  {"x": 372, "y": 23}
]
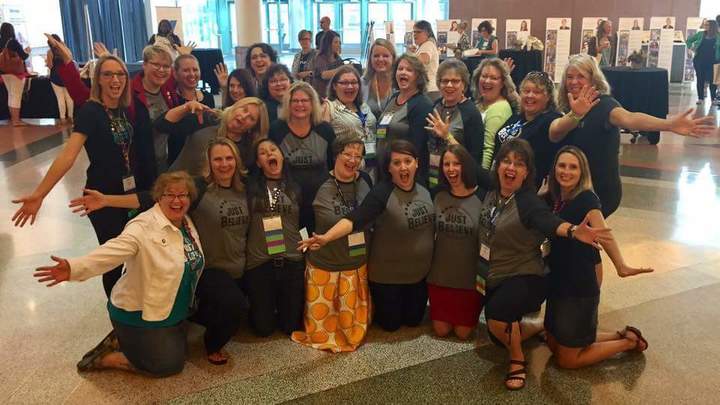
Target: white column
[{"x": 248, "y": 15}]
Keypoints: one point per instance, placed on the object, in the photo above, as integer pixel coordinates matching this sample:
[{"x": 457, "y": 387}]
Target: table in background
[
  {"x": 525, "y": 62},
  {"x": 38, "y": 102},
  {"x": 643, "y": 90},
  {"x": 208, "y": 58}
]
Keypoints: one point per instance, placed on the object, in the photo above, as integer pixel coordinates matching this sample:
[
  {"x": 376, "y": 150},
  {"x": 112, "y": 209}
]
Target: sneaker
[
  {"x": 700, "y": 101},
  {"x": 91, "y": 360}
]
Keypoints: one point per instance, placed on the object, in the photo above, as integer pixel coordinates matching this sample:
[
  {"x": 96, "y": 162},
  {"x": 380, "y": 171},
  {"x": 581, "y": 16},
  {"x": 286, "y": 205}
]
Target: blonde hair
[
  {"x": 261, "y": 128},
  {"x": 238, "y": 179},
  {"x": 96, "y": 90},
  {"x": 152, "y": 51},
  {"x": 316, "y": 115},
  {"x": 165, "y": 179},
  {"x": 384, "y": 43},
  {"x": 585, "y": 180},
  {"x": 588, "y": 67},
  {"x": 508, "y": 91}
]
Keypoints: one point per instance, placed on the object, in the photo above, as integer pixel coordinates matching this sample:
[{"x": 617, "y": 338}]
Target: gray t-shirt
[
  {"x": 397, "y": 128},
  {"x": 332, "y": 202},
  {"x": 156, "y": 108},
  {"x": 222, "y": 219},
  {"x": 289, "y": 211},
  {"x": 454, "y": 262},
  {"x": 192, "y": 157},
  {"x": 402, "y": 241}
]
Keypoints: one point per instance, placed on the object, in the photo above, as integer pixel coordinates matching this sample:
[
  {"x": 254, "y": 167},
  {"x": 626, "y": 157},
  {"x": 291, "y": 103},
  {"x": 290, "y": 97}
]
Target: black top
[
  {"x": 572, "y": 263},
  {"x": 105, "y": 144},
  {"x": 705, "y": 53},
  {"x": 537, "y": 133},
  {"x": 13, "y": 45},
  {"x": 466, "y": 126},
  {"x": 600, "y": 140},
  {"x": 272, "y": 108}
]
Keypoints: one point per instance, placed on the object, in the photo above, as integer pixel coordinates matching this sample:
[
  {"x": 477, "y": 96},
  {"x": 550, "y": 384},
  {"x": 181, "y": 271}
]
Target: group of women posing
[{"x": 403, "y": 199}]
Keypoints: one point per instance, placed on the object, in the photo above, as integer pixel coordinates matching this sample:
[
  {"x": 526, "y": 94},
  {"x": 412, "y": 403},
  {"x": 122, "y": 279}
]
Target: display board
[
  {"x": 409, "y": 24},
  {"x": 660, "y": 46},
  {"x": 557, "y": 46},
  {"x": 588, "y": 31},
  {"x": 517, "y": 30},
  {"x": 446, "y": 33},
  {"x": 630, "y": 37}
]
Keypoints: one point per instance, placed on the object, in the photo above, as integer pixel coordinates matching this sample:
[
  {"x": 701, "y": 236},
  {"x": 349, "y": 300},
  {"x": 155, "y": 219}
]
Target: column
[{"x": 249, "y": 27}]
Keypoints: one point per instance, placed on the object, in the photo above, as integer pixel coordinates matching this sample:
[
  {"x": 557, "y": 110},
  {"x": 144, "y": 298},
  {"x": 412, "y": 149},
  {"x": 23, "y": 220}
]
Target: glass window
[
  {"x": 401, "y": 12},
  {"x": 351, "y": 23}
]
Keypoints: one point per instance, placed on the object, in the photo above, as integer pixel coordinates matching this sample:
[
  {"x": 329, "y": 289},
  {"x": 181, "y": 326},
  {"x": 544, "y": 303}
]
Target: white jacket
[{"x": 152, "y": 249}]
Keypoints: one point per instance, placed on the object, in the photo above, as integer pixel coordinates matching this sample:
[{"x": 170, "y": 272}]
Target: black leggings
[
  {"x": 276, "y": 291},
  {"x": 398, "y": 304},
  {"x": 108, "y": 223},
  {"x": 704, "y": 74},
  {"x": 220, "y": 303}
]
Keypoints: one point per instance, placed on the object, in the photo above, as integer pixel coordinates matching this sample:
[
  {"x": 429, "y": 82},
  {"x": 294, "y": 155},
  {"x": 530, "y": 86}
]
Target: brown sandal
[
  {"x": 514, "y": 375},
  {"x": 640, "y": 339},
  {"x": 222, "y": 361}
]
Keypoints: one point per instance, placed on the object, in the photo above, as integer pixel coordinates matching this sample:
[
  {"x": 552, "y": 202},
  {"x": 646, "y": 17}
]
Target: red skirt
[{"x": 455, "y": 306}]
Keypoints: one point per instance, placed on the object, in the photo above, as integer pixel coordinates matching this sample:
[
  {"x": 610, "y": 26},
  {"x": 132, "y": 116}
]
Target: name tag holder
[
  {"x": 274, "y": 238},
  {"x": 356, "y": 243},
  {"x": 434, "y": 169}
]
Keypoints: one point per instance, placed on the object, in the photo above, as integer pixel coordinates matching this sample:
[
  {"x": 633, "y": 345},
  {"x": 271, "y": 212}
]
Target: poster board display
[
  {"x": 475, "y": 33},
  {"x": 557, "y": 46},
  {"x": 446, "y": 33},
  {"x": 630, "y": 38},
  {"x": 588, "y": 30},
  {"x": 693, "y": 26},
  {"x": 390, "y": 31},
  {"x": 660, "y": 47},
  {"x": 517, "y": 30},
  {"x": 408, "y": 37}
]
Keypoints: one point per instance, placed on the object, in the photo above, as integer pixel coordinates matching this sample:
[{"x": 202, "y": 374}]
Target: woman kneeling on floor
[
  {"x": 571, "y": 314},
  {"x": 153, "y": 297}
]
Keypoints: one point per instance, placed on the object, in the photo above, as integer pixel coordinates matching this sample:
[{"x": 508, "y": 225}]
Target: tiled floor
[{"x": 668, "y": 220}]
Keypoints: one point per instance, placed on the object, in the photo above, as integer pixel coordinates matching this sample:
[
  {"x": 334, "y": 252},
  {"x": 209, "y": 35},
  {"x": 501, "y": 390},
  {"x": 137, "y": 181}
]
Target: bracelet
[
  {"x": 571, "y": 232},
  {"x": 575, "y": 117}
]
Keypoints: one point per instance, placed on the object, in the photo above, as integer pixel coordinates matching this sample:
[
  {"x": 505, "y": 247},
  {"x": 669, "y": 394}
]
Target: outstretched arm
[
  {"x": 613, "y": 250},
  {"x": 682, "y": 124}
]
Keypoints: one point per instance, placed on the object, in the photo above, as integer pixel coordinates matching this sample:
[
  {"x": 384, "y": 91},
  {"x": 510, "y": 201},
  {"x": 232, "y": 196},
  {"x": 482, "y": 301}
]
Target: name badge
[
  {"x": 434, "y": 169},
  {"x": 385, "y": 120},
  {"x": 485, "y": 252},
  {"x": 274, "y": 239},
  {"x": 481, "y": 278},
  {"x": 128, "y": 183},
  {"x": 370, "y": 148},
  {"x": 545, "y": 248},
  {"x": 356, "y": 243}
]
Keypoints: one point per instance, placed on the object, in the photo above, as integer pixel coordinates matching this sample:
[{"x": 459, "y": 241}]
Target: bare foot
[
  {"x": 627, "y": 271},
  {"x": 218, "y": 358}
]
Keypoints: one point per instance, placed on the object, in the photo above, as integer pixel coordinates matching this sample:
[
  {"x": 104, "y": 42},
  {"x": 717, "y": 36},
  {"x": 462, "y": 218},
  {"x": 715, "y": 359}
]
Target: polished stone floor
[{"x": 668, "y": 220}]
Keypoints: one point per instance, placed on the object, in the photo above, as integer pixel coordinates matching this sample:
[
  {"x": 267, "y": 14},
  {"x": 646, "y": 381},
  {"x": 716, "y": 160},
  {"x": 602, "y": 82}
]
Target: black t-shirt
[
  {"x": 105, "y": 147},
  {"x": 537, "y": 133},
  {"x": 572, "y": 263},
  {"x": 600, "y": 140}
]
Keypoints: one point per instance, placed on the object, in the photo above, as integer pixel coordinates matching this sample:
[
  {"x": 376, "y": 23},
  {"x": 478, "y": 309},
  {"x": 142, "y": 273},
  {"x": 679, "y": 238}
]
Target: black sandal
[
  {"x": 514, "y": 375},
  {"x": 91, "y": 360},
  {"x": 640, "y": 338}
]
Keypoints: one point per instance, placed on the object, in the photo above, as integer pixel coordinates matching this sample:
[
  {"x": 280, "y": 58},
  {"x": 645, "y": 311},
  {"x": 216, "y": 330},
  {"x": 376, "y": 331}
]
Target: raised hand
[
  {"x": 54, "y": 274},
  {"x": 187, "y": 49},
  {"x": 60, "y": 49},
  {"x": 439, "y": 127},
  {"x": 585, "y": 101},
  {"x": 685, "y": 124},
  {"x": 100, "y": 50},
  {"x": 221, "y": 73},
  {"x": 510, "y": 63},
  {"x": 91, "y": 201},
  {"x": 28, "y": 211}
]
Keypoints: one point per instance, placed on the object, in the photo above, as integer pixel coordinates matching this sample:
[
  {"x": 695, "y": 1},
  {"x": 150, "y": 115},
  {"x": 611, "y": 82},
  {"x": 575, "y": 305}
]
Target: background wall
[{"x": 539, "y": 10}]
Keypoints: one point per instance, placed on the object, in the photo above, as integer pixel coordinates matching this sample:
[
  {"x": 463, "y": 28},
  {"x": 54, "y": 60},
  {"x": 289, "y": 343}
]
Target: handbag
[{"x": 716, "y": 73}]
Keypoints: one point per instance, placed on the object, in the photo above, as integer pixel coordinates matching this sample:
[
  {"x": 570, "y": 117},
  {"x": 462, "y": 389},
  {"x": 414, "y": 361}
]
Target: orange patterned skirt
[{"x": 337, "y": 309}]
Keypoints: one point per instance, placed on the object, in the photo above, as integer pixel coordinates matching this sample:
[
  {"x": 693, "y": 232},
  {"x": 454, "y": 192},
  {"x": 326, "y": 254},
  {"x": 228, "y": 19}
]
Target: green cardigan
[{"x": 696, "y": 39}]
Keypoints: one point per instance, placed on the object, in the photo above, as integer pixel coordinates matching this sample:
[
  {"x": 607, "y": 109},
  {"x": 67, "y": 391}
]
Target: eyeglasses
[
  {"x": 450, "y": 82},
  {"x": 305, "y": 39},
  {"x": 299, "y": 101},
  {"x": 180, "y": 197},
  {"x": 110, "y": 75},
  {"x": 275, "y": 82},
  {"x": 351, "y": 158},
  {"x": 349, "y": 83},
  {"x": 159, "y": 67},
  {"x": 418, "y": 31}
]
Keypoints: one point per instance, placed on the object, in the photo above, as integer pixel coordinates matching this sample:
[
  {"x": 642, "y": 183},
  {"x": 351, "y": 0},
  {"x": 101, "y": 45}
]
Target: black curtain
[{"x": 119, "y": 24}]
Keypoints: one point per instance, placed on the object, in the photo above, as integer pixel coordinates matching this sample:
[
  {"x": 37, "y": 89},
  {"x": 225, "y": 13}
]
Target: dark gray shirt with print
[
  {"x": 454, "y": 262},
  {"x": 289, "y": 211},
  {"x": 156, "y": 108},
  {"x": 333, "y": 201},
  {"x": 402, "y": 241}
]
